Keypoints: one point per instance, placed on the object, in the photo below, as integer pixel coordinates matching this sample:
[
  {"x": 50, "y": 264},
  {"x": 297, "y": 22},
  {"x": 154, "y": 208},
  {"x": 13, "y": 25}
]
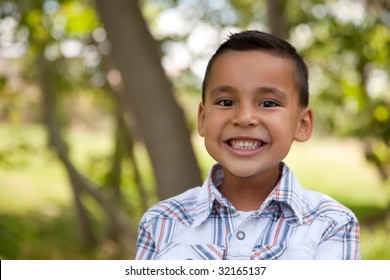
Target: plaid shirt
[{"x": 292, "y": 223}]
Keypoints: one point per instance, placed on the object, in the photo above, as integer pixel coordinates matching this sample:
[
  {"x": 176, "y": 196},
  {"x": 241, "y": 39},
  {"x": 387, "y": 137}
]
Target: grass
[
  {"x": 338, "y": 167},
  {"x": 36, "y": 212}
]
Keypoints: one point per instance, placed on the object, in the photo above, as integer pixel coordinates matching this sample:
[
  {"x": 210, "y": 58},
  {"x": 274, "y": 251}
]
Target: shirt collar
[
  {"x": 287, "y": 193},
  {"x": 209, "y": 195}
]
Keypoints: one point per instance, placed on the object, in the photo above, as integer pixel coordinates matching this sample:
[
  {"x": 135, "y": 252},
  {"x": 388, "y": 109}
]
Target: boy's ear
[
  {"x": 201, "y": 118},
  {"x": 305, "y": 125}
]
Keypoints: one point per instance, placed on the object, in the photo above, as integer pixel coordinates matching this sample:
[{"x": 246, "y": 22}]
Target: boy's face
[{"x": 251, "y": 113}]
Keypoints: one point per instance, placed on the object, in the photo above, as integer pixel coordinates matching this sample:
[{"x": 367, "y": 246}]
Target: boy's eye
[
  {"x": 268, "y": 104},
  {"x": 225, "y": 103}
]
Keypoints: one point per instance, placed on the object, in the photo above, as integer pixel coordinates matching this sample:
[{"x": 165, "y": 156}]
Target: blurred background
[{"x": 98, "y": 107}]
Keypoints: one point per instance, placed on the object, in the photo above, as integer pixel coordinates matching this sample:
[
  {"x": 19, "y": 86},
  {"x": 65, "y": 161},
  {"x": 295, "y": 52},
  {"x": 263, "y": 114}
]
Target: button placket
[{"x": 240, "y": 233}]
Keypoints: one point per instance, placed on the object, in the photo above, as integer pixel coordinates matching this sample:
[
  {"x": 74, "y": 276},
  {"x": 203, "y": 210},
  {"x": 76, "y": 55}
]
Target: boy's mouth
[{"x": 245, "y": 144}]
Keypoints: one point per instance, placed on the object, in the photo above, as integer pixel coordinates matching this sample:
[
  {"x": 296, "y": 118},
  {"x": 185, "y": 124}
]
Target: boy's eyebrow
[
  {"x": 223, "y": 88},
  {"x": 261, "y": 90},
  {"x": 272, "y": 90}
]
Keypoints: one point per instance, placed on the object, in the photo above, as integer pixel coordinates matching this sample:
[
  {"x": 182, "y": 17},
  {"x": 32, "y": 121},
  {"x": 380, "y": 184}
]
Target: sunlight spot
[
  {"x": 378, "y": 83},
  {"x": 71, "y": 48},
  {"x": 302, "y": 36},
  {"x": 348, "y": 11}
]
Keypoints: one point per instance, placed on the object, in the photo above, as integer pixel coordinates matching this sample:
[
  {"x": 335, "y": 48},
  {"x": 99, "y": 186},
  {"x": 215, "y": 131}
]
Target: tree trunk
[
  {"x": 55, "y": 141},
  {"x": 276, "y": 18},
  {"x": 113, "y": 180},
  {"x": 129, "y": 147},
  {"x": 148, "y": 95},
  {"x": 80, "y": 184}
]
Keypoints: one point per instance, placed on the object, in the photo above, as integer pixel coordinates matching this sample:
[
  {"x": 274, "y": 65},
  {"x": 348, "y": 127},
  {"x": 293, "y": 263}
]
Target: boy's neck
[{"x": 247, "y": 194}]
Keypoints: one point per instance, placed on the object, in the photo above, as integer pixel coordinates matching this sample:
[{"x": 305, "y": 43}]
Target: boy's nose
[{"x": 245, "y": 116}]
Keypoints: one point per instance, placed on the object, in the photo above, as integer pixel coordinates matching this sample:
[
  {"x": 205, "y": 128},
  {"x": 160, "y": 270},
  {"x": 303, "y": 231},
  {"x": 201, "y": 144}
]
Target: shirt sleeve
[
  {"x": 146, "y": 247},
  {"x": 341, "y": 241}
]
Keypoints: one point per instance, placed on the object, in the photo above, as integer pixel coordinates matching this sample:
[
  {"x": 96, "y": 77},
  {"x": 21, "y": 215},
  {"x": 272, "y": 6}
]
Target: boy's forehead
[
  {"x": 255, "y": 66},
  {"x": 256, "y": 63}
]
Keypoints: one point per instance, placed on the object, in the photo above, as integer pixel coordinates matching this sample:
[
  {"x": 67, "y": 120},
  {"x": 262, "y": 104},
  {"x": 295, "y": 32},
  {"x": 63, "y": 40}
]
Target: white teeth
[{"x": 245, "y": 144}]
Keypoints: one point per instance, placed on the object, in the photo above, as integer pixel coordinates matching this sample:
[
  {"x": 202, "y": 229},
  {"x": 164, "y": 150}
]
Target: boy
[{"x": 251, "y": 206}]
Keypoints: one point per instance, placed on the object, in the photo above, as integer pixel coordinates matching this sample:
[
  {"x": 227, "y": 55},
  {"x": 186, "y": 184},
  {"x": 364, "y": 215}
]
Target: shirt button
[{"x": 240, "y": 235}]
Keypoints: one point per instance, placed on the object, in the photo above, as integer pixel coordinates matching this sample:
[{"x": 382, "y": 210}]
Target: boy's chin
[
  {"x": 250, "y": 171},
  {"x": 243, "y": 171}
]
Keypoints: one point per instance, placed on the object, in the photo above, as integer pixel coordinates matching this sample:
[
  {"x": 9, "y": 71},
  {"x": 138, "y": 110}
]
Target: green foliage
[
  {"x": 20, "y": 146},
  {"x": 69, "y": 35},
  {"x": 13, "y": 232},
  {"x": 374, "y": 240},
  {"x": 348, "y": 57},
  {"x": 81, "y": 18}
]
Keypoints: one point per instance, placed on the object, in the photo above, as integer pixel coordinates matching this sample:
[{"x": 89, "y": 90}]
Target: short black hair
[{"x": 250, "y": 40}]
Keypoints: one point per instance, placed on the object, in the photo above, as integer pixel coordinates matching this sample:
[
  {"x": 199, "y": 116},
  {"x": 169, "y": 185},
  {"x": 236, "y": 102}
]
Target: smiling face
[{"x": 251, "y": 113}]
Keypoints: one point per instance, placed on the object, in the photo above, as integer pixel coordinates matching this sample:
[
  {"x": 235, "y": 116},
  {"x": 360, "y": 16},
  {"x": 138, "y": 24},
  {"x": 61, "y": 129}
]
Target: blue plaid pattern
[{"x": 292, "y": 223}]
